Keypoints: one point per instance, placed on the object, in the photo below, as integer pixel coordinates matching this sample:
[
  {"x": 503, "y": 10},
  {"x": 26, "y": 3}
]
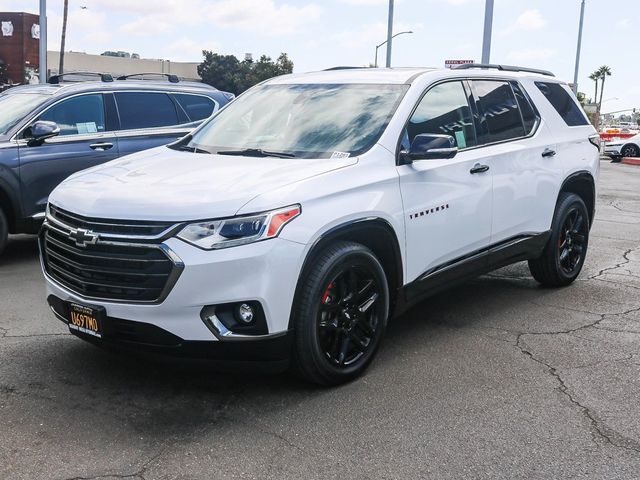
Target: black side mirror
[
  {"x": 428, "y": 146},
  {"x": 37, "y": 133}
]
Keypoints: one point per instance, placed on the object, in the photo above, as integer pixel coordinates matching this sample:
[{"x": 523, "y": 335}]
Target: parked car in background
[
  {"x": 618, "y": 148},
  {"x": 48, "y": 132}
]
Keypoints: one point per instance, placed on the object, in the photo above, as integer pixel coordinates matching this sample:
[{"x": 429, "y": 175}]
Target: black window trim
[
  {"x": 80, "y": 136},
  {"x": 535, "y": 128},
  {"x": 170, "y": 93},
  {"x": 588, "y": 124},
  {"x": 20, "y": 129},
  {"x": 467, "y": 93},
  {"x": 466, "y": 83}
]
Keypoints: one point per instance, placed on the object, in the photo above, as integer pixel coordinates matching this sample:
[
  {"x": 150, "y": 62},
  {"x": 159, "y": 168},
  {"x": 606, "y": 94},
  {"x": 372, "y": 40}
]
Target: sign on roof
[{"x": 453, "y": 63}]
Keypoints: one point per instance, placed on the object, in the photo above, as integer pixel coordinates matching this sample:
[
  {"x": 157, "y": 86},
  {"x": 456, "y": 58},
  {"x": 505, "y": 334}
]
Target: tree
[
  {"x": 595, "y": 76},
  {"x": 604, "y": 72},
  {"x": 227, "y": 73}
]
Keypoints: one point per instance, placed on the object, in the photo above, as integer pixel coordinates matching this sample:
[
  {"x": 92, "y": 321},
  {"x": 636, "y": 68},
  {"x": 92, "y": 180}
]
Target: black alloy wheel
[
  {"x": 563, "y": 256},
  {"x": 349, "y": 316},
  {"x": 340, "y": 313},
  {"x": 630, "y": 150},
  {"x": 572, "y": 240}
]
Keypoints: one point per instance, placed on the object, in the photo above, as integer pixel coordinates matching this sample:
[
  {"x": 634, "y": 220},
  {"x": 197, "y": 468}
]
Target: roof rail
[
  {"x": 171, "y": 77},
  {"x": 345, "y": 67},
  {"x": 504, "y": 68},
  {"x": 55, "y": 79}
]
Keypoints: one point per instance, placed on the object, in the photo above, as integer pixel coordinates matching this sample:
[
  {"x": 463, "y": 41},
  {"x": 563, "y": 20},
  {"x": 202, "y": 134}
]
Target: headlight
[{"x": 229, "y": 232}]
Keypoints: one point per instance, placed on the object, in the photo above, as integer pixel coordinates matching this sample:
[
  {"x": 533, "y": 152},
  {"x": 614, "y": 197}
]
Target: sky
[{"x": 320, "y": 34}]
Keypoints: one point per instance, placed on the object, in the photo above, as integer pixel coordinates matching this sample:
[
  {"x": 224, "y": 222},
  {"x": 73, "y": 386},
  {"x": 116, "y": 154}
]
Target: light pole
[
  {"x": 42, "y": 62},
  {"x": 389, "y": 33},
  {"x": 488, "y": 27},
  {"x": 575, "y": 75},
  {"x": 386, "y": 41}
]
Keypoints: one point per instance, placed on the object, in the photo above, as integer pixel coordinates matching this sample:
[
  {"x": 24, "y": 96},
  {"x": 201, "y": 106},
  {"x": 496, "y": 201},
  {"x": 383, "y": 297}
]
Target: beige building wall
[{"x": 84, "y": 62}]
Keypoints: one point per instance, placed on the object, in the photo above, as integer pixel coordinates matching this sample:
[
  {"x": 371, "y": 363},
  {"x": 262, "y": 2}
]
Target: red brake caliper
[{"x": 327, "y": 293}]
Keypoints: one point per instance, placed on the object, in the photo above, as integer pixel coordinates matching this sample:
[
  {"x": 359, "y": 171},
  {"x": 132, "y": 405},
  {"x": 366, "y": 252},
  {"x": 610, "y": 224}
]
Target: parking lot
[{"x": 498, "y": 378}]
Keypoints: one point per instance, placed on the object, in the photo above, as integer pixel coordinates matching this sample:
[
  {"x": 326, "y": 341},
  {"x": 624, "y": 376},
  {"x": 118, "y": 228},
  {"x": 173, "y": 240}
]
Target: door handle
[
  {"x": 478, "y": 168},
  {"x": 101, "y": 147},
  {"x": 547, "y": 153}
]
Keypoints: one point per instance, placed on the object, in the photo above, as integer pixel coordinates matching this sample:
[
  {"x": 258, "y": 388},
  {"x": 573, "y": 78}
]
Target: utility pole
[
  {"x": 575, "y": 75},
  {"x": 63, "y": 37},
  {"x": 488, "y": 27},
  {"x": 42, "y": 62},
  {"x": 389, "y": 33}
]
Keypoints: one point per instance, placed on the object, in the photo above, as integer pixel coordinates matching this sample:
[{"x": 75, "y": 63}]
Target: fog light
[{"x": 245, "y": 313}]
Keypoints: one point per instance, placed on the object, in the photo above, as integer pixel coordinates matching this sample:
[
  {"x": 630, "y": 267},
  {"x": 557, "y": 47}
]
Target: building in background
[
  {"x": 19, "y": 38},
  {"x": 19, "y": 61}
]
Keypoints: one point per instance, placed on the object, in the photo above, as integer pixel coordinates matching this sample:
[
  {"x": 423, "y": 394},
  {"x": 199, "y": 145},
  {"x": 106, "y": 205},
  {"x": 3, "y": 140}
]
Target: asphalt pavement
[{"x": 498, "y": 378}]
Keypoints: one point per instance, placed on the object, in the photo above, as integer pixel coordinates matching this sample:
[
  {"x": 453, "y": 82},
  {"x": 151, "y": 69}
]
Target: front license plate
[{"x": 85, "y": 319}]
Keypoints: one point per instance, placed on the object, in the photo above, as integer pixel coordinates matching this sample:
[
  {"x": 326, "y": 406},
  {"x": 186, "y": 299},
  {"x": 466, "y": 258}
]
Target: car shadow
[{"x": 20, "y": 249}]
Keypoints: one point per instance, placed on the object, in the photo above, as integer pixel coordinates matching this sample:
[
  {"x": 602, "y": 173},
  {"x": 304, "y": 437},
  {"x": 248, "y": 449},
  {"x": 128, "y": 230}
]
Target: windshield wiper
[
  {"x": 257, "y": 152},
  {"x": 187, "y": 148}
]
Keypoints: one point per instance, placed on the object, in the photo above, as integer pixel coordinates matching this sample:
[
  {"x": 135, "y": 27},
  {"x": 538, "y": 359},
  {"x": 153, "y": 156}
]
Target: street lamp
[
  {"x": 378, "y": 46},
  {"x": 575, "y": 75}
]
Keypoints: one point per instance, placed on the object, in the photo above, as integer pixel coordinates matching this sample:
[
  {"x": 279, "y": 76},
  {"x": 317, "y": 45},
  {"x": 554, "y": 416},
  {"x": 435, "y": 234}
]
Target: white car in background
[{"x": 627, "y": 147}]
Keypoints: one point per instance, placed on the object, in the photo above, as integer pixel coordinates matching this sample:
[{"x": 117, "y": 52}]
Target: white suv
[{"x": 291, "y": 226}]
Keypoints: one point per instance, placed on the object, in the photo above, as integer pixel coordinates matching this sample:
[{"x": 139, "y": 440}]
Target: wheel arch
[
  {"x": 9, "y": 206},
  {"x": 582, "y": 184},
  {"x": 375, "y": 233}
]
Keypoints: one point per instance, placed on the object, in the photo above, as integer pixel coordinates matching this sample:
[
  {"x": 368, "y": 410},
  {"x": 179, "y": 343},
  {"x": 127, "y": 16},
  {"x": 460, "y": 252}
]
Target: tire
[
  {"x": 338, "y": 331},
  {"x": 630, "y": 150},
  {"x": 4, "y": 231},
  {"x": 564, "y": 254}
]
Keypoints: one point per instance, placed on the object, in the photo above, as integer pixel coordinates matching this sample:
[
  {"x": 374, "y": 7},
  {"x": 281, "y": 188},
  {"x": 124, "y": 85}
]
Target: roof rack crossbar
[
  {"x": 170, "y": 76},
  {"x": 504, "y": 68},
  {"x": 55, "y": 79}
]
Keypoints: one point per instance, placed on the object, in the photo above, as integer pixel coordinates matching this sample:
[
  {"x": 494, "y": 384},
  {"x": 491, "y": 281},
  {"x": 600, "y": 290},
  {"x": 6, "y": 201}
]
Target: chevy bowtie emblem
[{"x": 83, "y": 237}]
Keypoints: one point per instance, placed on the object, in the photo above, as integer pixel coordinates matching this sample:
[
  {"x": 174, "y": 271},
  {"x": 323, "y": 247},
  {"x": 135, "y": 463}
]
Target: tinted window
[
  {"x": 564, "y": 103},
  {"x": 145, "y": 110},
  {"x": 197, "y": 107},
  {"x": 443, "y": 110},
  {"x": 499, "y": 113},
  {"x": 529, "y": 116},
  {"x": 78, "y": 115}
]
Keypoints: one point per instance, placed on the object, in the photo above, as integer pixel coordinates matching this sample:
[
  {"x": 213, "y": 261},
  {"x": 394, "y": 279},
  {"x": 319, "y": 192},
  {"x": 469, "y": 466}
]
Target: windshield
[
  {"x": 14, "y": 107},
  {"x": 306, "y": 121}
]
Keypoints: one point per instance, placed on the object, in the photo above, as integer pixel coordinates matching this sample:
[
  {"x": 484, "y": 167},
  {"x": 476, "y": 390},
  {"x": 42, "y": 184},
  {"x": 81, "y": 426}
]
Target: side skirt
[{"x": 435, "y": 280}]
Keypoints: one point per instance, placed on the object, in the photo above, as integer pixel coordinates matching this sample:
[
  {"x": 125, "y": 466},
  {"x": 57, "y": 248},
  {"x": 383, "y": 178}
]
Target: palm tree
[
  {"x": 63, "y": 37},
  {"x": 603, "y": 72},
  {"x": 595, "y": 76}
]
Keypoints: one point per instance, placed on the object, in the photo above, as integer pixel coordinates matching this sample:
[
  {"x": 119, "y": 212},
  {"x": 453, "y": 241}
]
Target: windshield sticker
[{"x": 340, "y": 154}]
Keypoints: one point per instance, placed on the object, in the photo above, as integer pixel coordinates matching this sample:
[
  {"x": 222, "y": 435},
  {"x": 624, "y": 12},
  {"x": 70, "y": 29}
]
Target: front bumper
[
  {"x": 613, "y": 151},
  {"x": 266, "y": 272}
]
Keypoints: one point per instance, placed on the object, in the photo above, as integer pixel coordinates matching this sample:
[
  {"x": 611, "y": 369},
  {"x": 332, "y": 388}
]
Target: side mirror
[
  {"x": 428, "y": 146},
  {"x": 37, "y": 133}
]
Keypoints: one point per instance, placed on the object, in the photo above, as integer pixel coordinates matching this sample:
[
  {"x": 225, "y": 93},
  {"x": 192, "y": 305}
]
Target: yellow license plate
[{"x": 85, "y": 319}]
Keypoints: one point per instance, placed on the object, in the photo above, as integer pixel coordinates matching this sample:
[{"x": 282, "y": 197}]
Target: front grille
[
  {"x": 116, "y": 270},
  {"x": 109, "y": 226}
]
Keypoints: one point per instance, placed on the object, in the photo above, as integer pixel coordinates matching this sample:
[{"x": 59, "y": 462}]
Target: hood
[{"x": 164, "y": 184}]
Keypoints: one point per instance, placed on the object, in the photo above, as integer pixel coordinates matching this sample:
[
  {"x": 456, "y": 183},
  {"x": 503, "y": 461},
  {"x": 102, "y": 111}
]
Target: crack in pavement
[
  {"x": 598, "y": 427},
  {"x": 139, "y": 474},
  {"x": 626, "y": 261}
]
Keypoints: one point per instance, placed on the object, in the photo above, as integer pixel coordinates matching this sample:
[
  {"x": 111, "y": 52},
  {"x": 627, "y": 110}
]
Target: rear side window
[
  {"x": 145, "y": 110},
  {"x": 529, "y": 115},
  {"x": 564, "y": 103},
  {"x": 443, "y": 110},
  {"x": 197, "y": 107},
  {"x": 83, "y": 114},
  {"x": 500, "y": 117}
]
